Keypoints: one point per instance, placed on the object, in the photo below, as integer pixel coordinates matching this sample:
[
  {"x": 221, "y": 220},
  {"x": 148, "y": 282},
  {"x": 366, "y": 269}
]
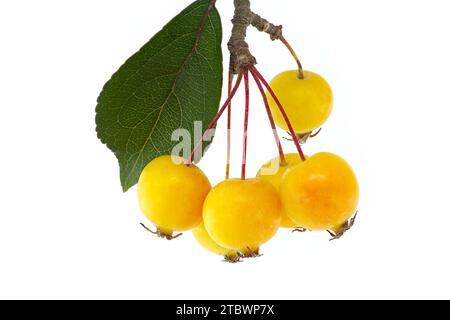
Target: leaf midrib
[{"x": 177, "y": 77}]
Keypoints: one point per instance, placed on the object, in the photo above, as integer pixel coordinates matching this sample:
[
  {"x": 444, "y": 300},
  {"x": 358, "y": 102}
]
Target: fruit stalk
[
  {"x": 272, "y": 122},
  {"x": 230, "y": 85},
  {"x": 247, "y": 107},
  {"x": 214, "y": 121},
  {"x": 256, "y": 73},
  {"x": 301, "y": 76}
]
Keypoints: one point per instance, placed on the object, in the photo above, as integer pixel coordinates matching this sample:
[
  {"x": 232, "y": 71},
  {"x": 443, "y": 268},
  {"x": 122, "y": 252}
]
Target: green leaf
[{"x": 174, "y": 80}]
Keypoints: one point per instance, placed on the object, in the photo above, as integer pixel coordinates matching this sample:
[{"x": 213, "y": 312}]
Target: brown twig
[
  {"x": 275, "y": 32},
  {"x": 240, "y": 55}
]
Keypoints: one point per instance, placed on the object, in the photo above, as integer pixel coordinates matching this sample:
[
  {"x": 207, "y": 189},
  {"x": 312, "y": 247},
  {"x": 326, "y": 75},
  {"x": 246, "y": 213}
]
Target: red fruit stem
[
  {"x": 230, "y": 85},
  {"x": 214, "y": 121},
  {"x": 280, "y": 107},
  {"x": 247, "y": 107},
  {"x": 270, "y": 116}
]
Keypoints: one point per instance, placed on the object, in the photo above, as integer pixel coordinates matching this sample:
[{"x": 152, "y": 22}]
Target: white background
[{"x": 68, "y": 231}]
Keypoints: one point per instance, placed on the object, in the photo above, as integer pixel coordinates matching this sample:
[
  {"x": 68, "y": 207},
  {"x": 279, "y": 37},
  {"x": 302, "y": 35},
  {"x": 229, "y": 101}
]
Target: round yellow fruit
[
  {"x": 204, "y": 239},
  {"x": 320, "y": 193},
  {"x": 308, "y": 102},
  {"x": 242, "y": 214},
  {"x": 171, "y": 194},
  {"x": 273, "y": 171}
]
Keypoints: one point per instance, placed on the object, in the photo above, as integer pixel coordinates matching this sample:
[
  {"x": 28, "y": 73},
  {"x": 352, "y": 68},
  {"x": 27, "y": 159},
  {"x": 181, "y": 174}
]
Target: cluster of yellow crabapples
[{"x": 237, "y": 216}]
